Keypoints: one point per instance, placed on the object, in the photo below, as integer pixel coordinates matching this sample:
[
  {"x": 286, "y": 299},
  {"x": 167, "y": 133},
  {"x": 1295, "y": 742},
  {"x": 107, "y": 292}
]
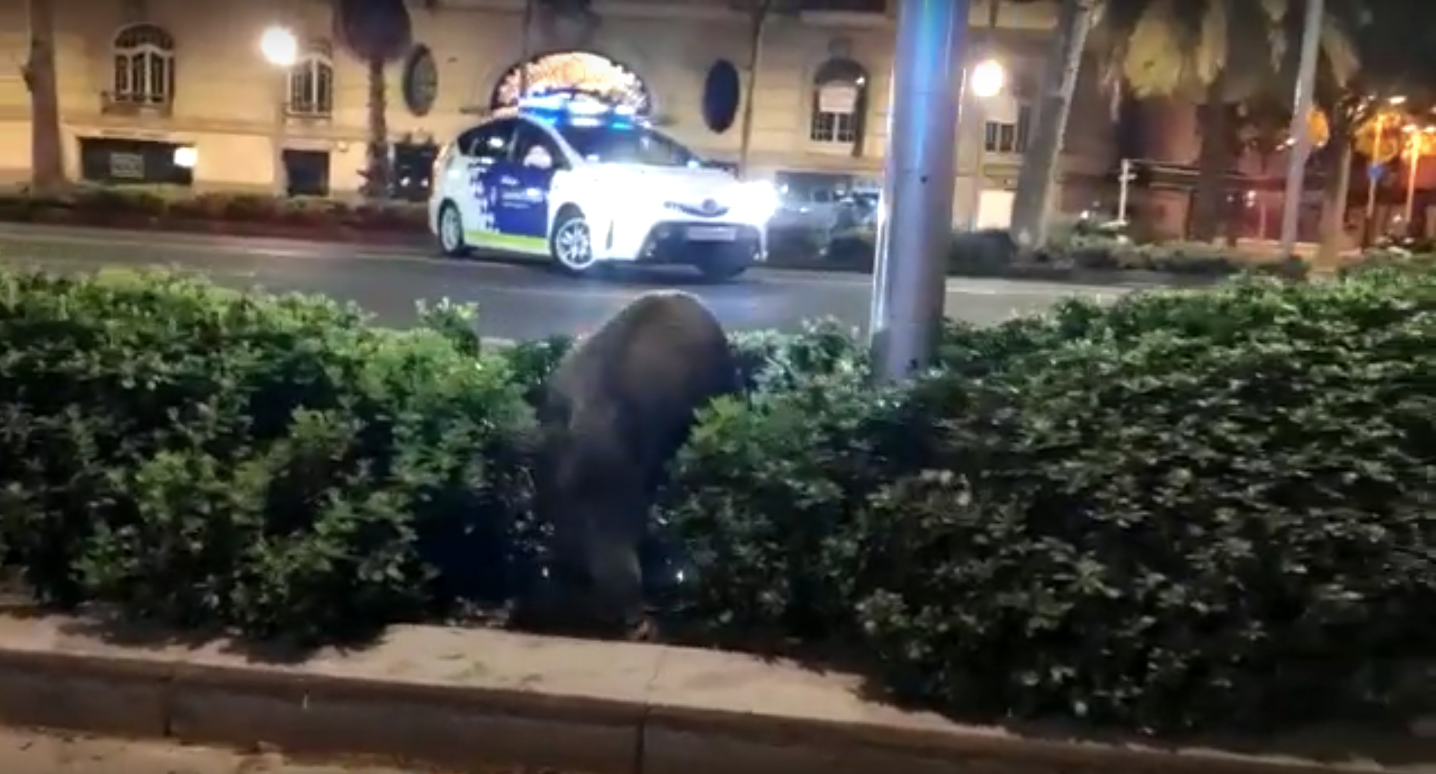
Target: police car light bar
[{"x": 572, "y": 104}]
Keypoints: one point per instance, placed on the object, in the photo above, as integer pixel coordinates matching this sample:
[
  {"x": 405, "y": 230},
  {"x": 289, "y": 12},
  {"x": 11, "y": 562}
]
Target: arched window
[
  {"x": 585, "y": 72},
  {"x": 840, "y": 102},
  {"x": 144, "y": 66},
  {"x": 311, "y": 81},
  {"x": 1008, "y": 117}
]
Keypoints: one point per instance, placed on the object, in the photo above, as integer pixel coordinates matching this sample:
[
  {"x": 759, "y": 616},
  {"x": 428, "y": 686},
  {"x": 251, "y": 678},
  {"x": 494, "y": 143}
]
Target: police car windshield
[{"x": 624, "y": 145}]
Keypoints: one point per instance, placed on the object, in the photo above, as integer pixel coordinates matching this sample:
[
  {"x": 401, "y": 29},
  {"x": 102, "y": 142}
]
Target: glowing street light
[
  {"x": 987, "y": 79},
  {"x": 279, "y": 47}
]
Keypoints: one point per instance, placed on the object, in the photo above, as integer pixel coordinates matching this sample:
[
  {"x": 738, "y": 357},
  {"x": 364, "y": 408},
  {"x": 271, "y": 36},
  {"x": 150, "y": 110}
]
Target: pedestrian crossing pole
[
  {"x": 914, "y": 232},
  {"x": 1124, "y": 190}
]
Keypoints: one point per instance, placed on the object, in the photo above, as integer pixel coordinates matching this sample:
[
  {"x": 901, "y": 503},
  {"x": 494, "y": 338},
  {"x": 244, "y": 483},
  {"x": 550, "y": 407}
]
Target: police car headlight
[{"x": 758, "y": 198}]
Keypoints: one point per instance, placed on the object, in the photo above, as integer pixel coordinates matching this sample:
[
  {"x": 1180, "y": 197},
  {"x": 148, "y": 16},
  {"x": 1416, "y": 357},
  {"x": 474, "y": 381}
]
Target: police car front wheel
[
  {"x": 451, "y": 231},
  {"x": 571, "y": 244}
]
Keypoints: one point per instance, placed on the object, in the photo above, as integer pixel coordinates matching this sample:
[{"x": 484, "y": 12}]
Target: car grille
[{"x": 708, "y": 208}]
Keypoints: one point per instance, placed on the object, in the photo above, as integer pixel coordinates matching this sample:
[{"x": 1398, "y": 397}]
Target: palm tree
[
  {"x": 1261, "y": 126},
  {"x": 47, "y": 163},
  {"x": 1039, "y": 163},
  {"x": 1222, "y": 52},
  {"x": 376, "y": 32},
  {"x": 1396, "y": 45}
]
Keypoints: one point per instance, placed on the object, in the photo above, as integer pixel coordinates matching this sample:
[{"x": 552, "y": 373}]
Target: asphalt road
[{"x": 515, "y": 301}]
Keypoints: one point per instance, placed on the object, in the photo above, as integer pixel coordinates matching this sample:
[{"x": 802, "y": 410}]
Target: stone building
[{"x": 178, "y": 91}]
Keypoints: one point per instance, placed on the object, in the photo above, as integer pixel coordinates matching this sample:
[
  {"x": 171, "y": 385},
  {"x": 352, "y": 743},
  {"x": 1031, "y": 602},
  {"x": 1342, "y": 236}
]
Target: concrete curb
[
  {"x": 309, "y": 714},
  {"x": 325, "y": 710}
]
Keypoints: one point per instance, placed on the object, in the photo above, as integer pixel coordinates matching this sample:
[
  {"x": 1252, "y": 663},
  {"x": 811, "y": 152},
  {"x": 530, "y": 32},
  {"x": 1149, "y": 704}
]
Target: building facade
[{"x": 179, "y": 90}]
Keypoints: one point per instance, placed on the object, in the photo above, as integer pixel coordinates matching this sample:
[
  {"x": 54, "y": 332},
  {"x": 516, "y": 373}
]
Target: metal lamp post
[
  {"x": 280, "y": 48},
  {"x": 1419, "y": 140},
  {"x": 985, "y": 81},
  {"x": 915, "y": 213}
]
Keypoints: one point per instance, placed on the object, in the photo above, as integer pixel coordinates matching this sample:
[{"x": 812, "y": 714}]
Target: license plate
[{"x": 712, "y": 234}]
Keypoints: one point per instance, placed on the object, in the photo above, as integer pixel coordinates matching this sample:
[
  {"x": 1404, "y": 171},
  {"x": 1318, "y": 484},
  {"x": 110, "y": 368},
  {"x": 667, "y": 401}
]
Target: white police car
[{"x": 585, "y": 184}]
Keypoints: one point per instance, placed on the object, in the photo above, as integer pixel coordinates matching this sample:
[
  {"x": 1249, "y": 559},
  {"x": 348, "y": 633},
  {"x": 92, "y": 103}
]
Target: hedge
[
  {"x": 1184, "y": 510},
  {"x": 182, "y": 209},
  {"x": 991, "y": 252}
]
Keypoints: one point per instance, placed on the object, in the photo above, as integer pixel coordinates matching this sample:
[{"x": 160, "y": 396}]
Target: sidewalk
[
  {"x": 28, "y": 752},
  {"x": 453, "y": 697}
]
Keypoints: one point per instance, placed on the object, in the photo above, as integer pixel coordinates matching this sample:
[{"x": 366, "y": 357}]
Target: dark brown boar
[{"x": 615, "y": 412}]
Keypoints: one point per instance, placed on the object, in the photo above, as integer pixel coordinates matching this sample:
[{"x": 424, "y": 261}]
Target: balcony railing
[
  {"x": 132, "y": 104},
  {"x": 308, "y": 111}
]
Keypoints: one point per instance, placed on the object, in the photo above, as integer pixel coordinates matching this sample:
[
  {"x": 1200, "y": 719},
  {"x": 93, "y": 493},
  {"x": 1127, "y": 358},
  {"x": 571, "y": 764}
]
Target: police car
[{"x": 585, "y": 184}]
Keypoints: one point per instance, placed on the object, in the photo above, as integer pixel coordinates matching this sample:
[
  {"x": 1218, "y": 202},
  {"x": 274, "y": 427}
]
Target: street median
[
  {"x": 454, "y": 697},
  {"x": 404, "y": 227}
]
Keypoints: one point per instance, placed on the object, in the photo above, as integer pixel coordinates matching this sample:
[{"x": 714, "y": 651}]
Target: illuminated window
[
  {"x": 144, "y": 74},
  {"x": 1008, "y": 132},
  {"x": 311, "y": 82},
  {"x": 839, "y": 102}
]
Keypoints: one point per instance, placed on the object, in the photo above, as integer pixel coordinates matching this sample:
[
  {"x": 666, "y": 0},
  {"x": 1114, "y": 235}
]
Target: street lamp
[
  {"x": 985, "y": 80},
  {"x": 281, "y": 49},
  {"x": 988, "y": 78}
]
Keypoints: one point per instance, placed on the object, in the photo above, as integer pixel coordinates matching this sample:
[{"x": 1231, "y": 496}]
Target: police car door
[
  {"x": 488, "y": 148},
  {"x": 524, "y": 182}
]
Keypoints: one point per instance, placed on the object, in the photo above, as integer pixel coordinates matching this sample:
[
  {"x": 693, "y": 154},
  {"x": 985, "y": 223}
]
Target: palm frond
[
  {"x": 1157, "y": 51},
  {"x": 1211, "y": 52},
  {"x": 1275, "y": 14},
  {"x": 1339, "y": 51}
]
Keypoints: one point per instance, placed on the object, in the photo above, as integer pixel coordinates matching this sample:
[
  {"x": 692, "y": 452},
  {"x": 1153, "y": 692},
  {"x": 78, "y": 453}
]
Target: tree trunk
[
  {"x": 1336, "y": 192},
  {"x": 1213, "y": 160},
  {"x": 750, "y": 88},
  {"x": 525, "y": 49},
  {"x": 1044, "y": 153},
  {"x": 1264, "y": 159},
  {"x": 47, "y": 161},
  {"x": 377, "y": 162}
]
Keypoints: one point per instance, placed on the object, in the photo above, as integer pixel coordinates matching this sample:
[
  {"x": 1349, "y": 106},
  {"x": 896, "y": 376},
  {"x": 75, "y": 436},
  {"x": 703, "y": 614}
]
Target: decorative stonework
[{"x": 579, "y": 70}]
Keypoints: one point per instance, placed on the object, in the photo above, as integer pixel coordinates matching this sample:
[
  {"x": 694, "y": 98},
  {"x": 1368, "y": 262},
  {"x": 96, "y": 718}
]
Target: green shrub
[
  {"x": 1188, "y": 509},
  {"x": 764, "y": 494},
  {"x": 273, "y": 464},
  {"x": 772, "y": 361},
  {"x": 178, "y": 206},
  {"x": 531, "y": 363},
  {"x": 1223, "y": 516},
  {"x": 991, "y": 253},
  {"x": 1185, "y": 509}
]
